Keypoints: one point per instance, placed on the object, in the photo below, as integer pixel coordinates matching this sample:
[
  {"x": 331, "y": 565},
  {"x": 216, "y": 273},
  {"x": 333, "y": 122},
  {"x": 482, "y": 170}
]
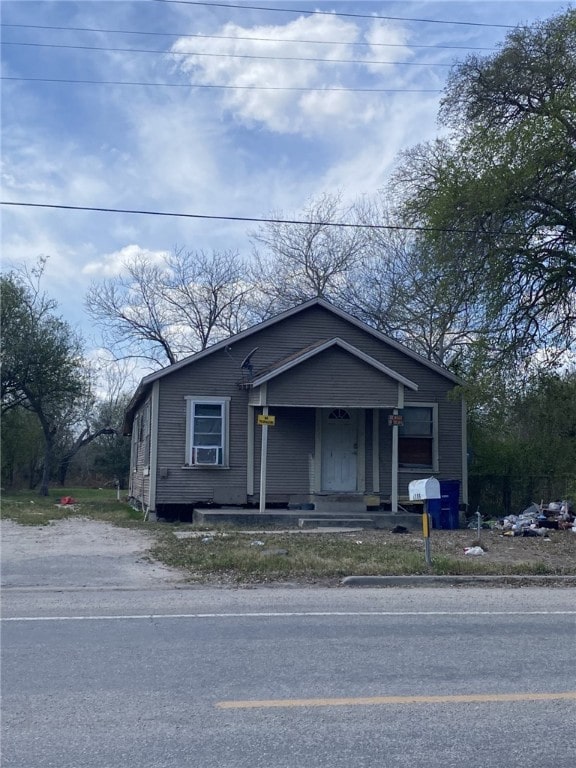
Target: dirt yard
[{"x": 77, "y": 552}]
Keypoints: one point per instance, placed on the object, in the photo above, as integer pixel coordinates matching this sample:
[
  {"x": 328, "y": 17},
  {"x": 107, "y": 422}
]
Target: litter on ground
[
  {"x": 538, "y": 520},
  {"x": 473, "y": 551}
]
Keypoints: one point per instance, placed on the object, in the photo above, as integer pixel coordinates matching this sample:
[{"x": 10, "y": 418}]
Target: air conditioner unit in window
[{"x": 206, "y": 456}]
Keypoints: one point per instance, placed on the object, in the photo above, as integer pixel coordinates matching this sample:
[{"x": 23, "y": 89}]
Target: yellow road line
[{"x": 472, "y": 698}]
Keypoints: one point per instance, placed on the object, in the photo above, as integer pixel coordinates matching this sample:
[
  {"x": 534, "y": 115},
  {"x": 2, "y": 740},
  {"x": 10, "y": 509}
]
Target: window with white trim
[
  {"x": 417, "y": 438},
  {"x": 207, "y": 432}
]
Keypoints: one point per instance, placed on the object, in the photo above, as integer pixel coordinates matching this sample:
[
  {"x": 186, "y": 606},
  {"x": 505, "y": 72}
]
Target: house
[{"x": 309, "y": 404}]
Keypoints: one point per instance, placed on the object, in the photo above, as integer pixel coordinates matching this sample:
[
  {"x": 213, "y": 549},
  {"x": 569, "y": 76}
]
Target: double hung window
[
  {"x": 417, "y": 438},
  {"x": 207, "y": 432}
]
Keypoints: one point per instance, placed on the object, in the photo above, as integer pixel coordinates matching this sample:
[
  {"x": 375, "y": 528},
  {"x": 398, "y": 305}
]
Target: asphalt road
[{"x": 289, "y": 678}]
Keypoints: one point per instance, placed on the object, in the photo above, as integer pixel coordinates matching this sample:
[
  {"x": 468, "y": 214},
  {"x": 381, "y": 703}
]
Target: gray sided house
[{"x": 355, "y": 413}]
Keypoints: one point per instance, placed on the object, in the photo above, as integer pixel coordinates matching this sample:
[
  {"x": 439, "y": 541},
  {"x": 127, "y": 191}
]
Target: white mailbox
[{"x": 421, "y": 490}]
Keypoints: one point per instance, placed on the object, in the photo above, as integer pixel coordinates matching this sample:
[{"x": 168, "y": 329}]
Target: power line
[
  {"x": 241, "y": 37},
  {"x": 370, "y": 16},
  {"x": 248, "y": 219},
  {"x": 230, "y": 55},
  {"x": 221, "y": 87}
]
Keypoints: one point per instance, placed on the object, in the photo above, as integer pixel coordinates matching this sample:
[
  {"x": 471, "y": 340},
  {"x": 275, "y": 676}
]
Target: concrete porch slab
[{"x": 290, "y": 518}]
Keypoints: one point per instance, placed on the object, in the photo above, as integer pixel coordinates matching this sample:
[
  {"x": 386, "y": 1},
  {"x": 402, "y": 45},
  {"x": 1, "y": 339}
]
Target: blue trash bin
[
  {"x": 449, "y": 504},
  {"x": 434, "y": 507}
]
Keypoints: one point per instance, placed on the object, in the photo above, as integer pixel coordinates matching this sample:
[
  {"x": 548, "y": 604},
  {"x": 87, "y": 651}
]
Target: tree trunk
[
  {"x": 63, "y": 470},
  {"x": 48, "y": 449},
  {"x": 83, "y": 440}
]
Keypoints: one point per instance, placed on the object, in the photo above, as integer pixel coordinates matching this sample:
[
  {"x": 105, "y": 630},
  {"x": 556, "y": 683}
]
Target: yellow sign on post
[{"x": 265, "y": 420}]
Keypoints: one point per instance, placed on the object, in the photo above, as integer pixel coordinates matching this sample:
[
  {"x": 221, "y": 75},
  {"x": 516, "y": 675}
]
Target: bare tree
[
  {"x": 207, "y": 293},
  {"x": 132, "y": 314},
  {"x": 160, "y": 312},
  {"x": 376, "y": 270},
  {"x": 296, "y": 262},
  {"x": 395, "y": 289}
]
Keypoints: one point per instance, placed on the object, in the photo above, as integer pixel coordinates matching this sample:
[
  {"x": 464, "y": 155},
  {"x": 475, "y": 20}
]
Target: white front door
[{"x": 339, "y": 450}]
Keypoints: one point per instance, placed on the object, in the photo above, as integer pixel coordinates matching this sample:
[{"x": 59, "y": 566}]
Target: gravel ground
[{"x": 77, "y": 552}]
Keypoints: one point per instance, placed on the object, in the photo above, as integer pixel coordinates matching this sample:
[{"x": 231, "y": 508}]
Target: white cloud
[
  {"x": 176, "y": 152},
  {"x": 298, "y": 111},
  {"x": 380, "y": 35},
  {"x": 113, "y": 264}
]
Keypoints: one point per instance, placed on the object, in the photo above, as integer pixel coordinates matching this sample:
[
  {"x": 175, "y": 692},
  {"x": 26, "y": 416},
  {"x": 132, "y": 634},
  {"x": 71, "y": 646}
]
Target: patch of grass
[
  {"x": 306, "y": 556},
  {"x": 228, "y": 554},
  {"x": 27, "y": 508}
]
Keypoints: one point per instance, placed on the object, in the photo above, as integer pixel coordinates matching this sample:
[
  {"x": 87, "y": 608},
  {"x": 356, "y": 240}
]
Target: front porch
[
  {"x": 324, "y": 456},
  {"x": 323, "y": 411}
]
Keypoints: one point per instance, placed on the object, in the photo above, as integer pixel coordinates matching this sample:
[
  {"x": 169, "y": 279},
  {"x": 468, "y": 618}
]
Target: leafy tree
[
  {"x": 42, "y": 365},
  {"x": 545, "y": 424},
  {"x": 162, "y": 311},
  {"x": 21, "y": 437},
  {"x": 498, "y": 195},
  {"x": 524, "y": 444}
]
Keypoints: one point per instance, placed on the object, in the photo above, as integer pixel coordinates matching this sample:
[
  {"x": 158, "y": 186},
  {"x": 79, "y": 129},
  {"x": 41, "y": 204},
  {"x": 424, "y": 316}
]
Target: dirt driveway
[{"x": 76, "y": 553}]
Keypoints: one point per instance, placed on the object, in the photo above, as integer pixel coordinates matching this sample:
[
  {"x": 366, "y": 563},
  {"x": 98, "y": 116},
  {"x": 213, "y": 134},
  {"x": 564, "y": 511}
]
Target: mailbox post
[{"x": 423, "y": 490}]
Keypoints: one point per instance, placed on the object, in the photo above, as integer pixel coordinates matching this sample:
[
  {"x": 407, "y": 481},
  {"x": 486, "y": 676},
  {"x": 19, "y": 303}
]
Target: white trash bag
[{"x": 473, "y": 551}]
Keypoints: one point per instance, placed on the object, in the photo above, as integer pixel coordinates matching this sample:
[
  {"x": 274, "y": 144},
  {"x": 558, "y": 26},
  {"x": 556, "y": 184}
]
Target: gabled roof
[
  {"x": 314, "y": 349},
  {"x": 152, "y": 377}
]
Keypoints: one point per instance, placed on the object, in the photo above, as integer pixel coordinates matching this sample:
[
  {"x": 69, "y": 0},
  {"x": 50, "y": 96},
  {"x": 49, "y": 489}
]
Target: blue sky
[{"x": 210, "y": 150}]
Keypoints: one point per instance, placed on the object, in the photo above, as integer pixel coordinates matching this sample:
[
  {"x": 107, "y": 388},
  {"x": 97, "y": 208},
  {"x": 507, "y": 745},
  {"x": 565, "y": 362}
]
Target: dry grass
[
  {"x": 27, "y": 508},
  {"x": 231, "y": 556}
]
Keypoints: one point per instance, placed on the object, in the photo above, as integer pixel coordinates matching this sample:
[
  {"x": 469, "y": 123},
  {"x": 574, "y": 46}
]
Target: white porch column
[
  {"x": 263, "y": 447},
  {"x": 263, "y": 462},
  {"x": 250, "y": 452},
  {"x": 394, "y": 488},
  {"x": 375, "y": 450}
]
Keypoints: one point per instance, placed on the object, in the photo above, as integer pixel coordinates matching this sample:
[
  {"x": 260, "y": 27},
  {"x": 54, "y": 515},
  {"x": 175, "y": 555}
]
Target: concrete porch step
[{"x": 345, "y": 503}]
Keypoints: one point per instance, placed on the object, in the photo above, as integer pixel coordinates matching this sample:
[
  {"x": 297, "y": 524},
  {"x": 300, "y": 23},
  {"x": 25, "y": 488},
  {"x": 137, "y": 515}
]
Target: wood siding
[
  {"x": 140, "y": 455},
  {"x": 333, "y": 378},
  {"x": 290, "y": 453},
  {"x": 216, "y": 376}
]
